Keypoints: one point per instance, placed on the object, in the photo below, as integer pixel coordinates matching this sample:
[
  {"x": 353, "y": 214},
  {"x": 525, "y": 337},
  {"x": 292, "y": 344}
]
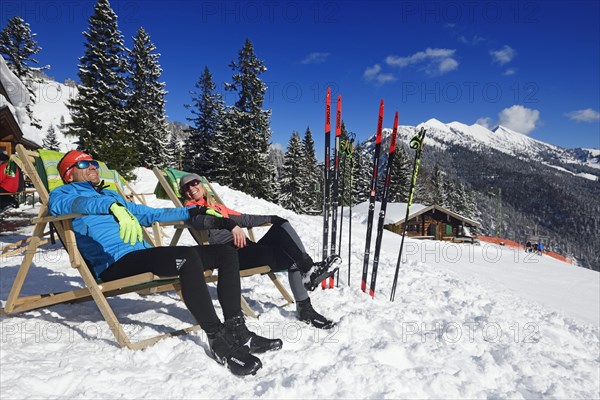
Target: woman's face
[{"x": 195, "y": 192}]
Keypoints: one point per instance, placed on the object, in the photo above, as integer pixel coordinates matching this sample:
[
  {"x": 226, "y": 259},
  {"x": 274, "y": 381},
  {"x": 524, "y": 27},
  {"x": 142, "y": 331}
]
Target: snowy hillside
[
  {"x": 51, "y": 109},
  {"x": 468, "y": 322}
]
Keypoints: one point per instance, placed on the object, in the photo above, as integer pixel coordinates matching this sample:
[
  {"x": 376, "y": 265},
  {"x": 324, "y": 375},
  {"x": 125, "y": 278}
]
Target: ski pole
[{"x": 416, "y": 143}]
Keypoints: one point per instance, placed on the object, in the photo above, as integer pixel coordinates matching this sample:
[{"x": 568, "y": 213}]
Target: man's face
[{"x": 89, "y": 174}]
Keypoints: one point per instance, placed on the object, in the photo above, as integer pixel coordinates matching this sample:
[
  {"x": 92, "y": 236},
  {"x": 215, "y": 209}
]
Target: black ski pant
[
  {"x": 281, "y": 249},
  {"x": 189, "y": 264},
  {"x": 285, "y": 245}
]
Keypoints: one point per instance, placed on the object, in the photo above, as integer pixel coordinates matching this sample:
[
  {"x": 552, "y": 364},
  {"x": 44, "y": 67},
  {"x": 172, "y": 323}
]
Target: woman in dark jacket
[{"x": 280, "y": 247}]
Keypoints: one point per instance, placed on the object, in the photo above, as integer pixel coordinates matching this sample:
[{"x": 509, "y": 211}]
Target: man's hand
[
  {"x": 239, "y": 237},
  {"x": 129, "y": 227}
]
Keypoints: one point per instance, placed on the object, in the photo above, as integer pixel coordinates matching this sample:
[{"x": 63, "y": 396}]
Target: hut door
[{"x": 432, "y": 230}]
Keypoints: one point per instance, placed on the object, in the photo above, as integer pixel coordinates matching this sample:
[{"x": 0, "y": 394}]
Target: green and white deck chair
[
  {"x": 41, "y": 169},
  {"x": 168, "y": 188}
]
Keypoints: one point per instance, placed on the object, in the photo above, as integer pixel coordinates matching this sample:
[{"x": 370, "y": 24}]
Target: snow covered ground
[{"x": 468, "y": 322}]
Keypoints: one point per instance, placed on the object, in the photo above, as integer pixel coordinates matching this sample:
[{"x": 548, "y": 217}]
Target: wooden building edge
[
  {"x": 437, "y": 223},
  {"x": 11, "y": 133}
]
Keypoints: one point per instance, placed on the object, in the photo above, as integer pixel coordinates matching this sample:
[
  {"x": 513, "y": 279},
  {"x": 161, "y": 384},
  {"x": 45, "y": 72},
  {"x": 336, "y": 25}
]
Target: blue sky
[{"x": 533, "y": 66}]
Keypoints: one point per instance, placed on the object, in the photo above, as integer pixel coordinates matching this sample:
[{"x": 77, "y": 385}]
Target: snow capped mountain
[{"x": 478, "y": 138}]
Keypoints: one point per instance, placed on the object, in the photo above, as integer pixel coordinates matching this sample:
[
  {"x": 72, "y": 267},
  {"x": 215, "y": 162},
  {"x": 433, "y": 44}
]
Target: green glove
[
  {"x": 201, "y": 210},
  {"x": 129, "y": 227}
]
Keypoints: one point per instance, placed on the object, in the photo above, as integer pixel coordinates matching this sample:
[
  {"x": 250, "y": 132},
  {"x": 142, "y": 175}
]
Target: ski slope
[{"x": 468, "y": 322}]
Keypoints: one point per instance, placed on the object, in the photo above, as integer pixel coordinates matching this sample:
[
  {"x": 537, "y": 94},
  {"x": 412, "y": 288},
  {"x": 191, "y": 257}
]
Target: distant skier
[
  {"x": 540, "y": 248},
  {"x": 528, "y": 247}
]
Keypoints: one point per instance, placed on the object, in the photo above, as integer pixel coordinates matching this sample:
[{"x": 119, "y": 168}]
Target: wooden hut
[
  {"x": 430, "y": 222},
  {"x": 12, "y": 95}
]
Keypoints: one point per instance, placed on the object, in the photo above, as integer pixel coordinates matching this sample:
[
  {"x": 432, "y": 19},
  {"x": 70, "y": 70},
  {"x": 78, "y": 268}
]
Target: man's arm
[
  {"x": 147, "y": 215},
  {"x": 67, "y": 200}
]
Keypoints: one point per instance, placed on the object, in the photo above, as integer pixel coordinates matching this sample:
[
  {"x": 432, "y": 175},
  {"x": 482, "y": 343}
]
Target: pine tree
[
  {"x": 18, "y": 47},
  {"x": 206, "y": 148},
  {"x": 99, "y": 114},
  {"x": 50, "y": 142},
  {"x": 249, "y": 132},
  {"x": 344, "y": 172},
  {"x": 146, "y": 104},
  {"x": 174, "y": 152},
  {"x": 401, "y": 177},
  {"x": 438, "y": 189},
  {"x": 275, "y": 188},
  {"x": 452, "y": 196},
  {"x": 312, "y": 196},
  {"x": 363, "y": 167},
  {"x": 292, "y": 182}
]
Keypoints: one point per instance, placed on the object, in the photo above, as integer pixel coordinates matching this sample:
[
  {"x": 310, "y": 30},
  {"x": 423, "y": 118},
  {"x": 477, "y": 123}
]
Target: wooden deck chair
[
  {"x": 44, "y": 180},
  {"x": 168, "y": 187},
  {"x": 18, "y": 247}
]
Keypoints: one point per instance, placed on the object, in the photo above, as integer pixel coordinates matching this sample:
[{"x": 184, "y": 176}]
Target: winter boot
[
  {"x": 320, "y": 271},
  {"x": 306, "y": 313},
  {"x": 234, "y": 356},
  {"x": 243, "y": 336}
]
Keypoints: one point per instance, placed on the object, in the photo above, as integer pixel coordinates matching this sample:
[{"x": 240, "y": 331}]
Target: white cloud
[
  {"x": 519, "y": 118},
  {"x": 435, "y": 61},
  {"x": 474, "y": 41},
  {"x": 486, "y": 122},
  {"x": 447, "y": 65},
  {"x": 510, "y": 71},
  {"x": 504, "y": 55},
  {"x": 374, "y": 74},
  {"x": 587, "y": 115},
  {"x": 315, "y": 58}
]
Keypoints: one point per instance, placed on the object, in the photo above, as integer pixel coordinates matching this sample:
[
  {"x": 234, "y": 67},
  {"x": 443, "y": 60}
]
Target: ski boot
[
  {"x": 243, "y": 336},
  {"x": 306, "y": 313},
  {"x": 320, "y": 271},
  {"x": 234, "y": 356}
]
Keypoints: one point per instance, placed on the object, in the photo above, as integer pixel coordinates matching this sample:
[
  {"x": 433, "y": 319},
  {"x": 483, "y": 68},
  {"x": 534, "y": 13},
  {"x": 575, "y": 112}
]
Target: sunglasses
[
  {"x": 188, "y": 185},
  {"x": 84, "y": 164}
]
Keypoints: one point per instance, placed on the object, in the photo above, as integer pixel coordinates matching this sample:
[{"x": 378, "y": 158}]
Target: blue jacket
[{"x": 97, "y": 232}]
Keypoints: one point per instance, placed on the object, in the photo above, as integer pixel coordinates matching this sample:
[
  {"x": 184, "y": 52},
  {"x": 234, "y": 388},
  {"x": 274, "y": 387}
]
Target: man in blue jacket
[{"x": 109, "y": 237}]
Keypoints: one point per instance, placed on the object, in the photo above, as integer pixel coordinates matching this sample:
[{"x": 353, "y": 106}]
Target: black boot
[
  {"x": 320, "y": 271},
  {"x": 236, "y": 326},
  {"x": 228, "y": 352},
  {"x": 306, "y": 313}
]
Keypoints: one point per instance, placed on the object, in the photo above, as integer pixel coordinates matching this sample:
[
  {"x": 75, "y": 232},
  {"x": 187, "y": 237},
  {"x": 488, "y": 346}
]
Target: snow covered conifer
[
  {"x": 50, "y": 142},
  {"x": 401, "y": 177},
  {"x": 292, "y": 182},
  {"x": 100, "y": 119},
  {"x": 438, "y": 189},
  {"x": 205, "y": 150},
  {"x": 18, "y": 47},
  {"x": 362, "y": 174},
  {"x": 312, "y": 196},
  {"x": 250, "y": 133},
  {"x": 146, "y": 103}
]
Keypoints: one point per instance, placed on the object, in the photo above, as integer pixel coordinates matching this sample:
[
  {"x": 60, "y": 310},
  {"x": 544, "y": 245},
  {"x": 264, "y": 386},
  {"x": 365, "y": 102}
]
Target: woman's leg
[{"x": 283, "y": 236}]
